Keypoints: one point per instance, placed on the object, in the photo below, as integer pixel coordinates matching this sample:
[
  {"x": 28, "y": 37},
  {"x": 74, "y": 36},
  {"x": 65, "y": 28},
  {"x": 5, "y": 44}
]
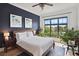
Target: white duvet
[{"x": 36, "y": 45}]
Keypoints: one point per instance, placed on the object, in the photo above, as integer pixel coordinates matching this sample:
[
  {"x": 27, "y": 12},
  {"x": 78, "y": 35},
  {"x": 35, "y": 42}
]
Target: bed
[{"x": 36, "y": 45}]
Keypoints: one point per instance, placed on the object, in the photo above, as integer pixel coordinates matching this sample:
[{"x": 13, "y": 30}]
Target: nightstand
[{"x": 11, "y": 42}]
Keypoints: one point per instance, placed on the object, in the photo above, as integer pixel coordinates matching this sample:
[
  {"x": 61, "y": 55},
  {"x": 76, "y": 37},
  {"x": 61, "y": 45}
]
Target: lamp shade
[{"x": 6, "y": 34}]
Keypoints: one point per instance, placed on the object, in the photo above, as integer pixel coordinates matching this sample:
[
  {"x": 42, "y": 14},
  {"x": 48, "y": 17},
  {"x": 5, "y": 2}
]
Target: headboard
[{"x": 30, "y": 30}]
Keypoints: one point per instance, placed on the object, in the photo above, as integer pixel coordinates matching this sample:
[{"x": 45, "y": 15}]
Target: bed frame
[
  {"x": 22, "y": 49},
  {"x": 30, "y": 54},
  {"x": 44, "y": 54}
]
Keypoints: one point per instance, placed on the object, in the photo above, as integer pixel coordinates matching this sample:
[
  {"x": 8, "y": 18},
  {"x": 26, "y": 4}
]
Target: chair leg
[
  {"x": 67, "y": 49},
  {"x": 73, "y": 51},
  {"x": 53, "y": 45}
]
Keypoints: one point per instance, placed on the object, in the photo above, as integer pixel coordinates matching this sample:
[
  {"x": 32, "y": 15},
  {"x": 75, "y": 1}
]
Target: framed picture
[
  {"x": 15, "y": 21},
  {"x": 28, "y": 23}
]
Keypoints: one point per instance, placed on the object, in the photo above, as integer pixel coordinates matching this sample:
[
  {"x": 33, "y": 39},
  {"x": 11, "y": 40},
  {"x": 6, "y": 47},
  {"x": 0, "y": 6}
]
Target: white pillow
[
  {"x": 27, "y": 34},
  {"x": 17, "y": 36},
  {"x": 30, "y": 34},
  {"x": 21, "y": 35}
]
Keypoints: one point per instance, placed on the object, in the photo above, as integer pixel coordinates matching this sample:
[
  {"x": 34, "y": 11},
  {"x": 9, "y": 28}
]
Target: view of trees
[{"x": 54, "y": 27}]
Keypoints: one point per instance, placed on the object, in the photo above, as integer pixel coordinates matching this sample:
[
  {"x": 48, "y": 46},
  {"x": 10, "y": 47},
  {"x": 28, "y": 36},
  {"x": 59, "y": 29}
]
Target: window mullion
[
  {"x": 58, "y": 26},
  {"x": 50, "y": 27}
]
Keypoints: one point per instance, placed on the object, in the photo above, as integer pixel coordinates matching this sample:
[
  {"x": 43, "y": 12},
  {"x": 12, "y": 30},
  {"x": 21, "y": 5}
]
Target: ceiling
[{"x": 47, "y": 9}]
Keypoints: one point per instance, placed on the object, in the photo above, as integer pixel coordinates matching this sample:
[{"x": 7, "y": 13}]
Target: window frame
[{"x": 56, "y": 24}]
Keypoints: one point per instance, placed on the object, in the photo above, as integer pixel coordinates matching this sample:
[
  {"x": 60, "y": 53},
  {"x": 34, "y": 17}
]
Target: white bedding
[{"x": 35, "y": 45}]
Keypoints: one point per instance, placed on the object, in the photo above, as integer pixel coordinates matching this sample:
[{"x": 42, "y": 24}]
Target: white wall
[
  {"x": 72, "y": 13},
  {"x": 78, "y": 17}
]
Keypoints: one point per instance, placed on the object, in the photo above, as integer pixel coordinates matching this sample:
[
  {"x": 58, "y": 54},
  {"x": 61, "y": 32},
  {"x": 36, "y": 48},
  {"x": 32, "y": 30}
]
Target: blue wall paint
[{"x": 7, "y": 9}]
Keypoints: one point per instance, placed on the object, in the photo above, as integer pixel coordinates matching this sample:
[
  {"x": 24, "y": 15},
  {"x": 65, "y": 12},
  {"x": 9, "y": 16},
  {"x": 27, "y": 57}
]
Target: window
[
  {"x": 47, "y": 27},
  {"x": 47, "y": 22},
  {"x": 56, "y": 25},
  {"x": 62, "y": 25},
  {"x": 62, "y": 20},
  {"x": 54, "y": 21}
]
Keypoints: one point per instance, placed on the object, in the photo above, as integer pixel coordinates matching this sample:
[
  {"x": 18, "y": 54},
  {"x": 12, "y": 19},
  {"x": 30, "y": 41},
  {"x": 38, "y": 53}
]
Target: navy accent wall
[{"x": 7, "y": 9}]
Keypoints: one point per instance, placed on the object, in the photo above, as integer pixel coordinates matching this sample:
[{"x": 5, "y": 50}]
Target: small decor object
[
  {"x": 34, "y": 32},
  {"x": 15, "y": 21},
  {"x": 28, "y": 23}
]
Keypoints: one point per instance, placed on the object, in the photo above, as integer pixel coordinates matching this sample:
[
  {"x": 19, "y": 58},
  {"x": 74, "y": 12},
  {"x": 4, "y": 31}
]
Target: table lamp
[{"x": 6, "y": 35}]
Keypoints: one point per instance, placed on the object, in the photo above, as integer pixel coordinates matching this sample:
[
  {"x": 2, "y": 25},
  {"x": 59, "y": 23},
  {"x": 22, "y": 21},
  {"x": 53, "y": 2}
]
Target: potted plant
[{"x": 68, "y": 35}]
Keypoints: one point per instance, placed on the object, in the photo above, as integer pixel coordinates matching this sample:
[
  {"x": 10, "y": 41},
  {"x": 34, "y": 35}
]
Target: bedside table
[{"x": 11, "y": 42}]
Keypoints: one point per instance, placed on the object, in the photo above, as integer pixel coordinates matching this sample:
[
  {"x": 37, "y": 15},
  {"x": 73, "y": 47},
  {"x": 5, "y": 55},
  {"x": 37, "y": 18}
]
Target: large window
[
  {"x": 47, "y": 21},
  {"x": 56, "y": 26},
  {"x": 47, "y": 27}
]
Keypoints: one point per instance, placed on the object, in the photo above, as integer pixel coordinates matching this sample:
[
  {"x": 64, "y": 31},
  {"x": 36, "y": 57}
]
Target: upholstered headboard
[{"x": 30, "y": 30}]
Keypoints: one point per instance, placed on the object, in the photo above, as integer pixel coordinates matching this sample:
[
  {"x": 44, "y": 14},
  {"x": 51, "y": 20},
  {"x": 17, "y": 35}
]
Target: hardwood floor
[
  {"x": 11, "y": 52},
  {"x": 57, "y": 51}
]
